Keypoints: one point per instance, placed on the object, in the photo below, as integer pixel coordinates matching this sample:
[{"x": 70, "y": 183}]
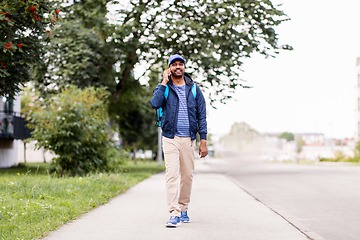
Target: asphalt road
[{"x": 321, "y": 201}]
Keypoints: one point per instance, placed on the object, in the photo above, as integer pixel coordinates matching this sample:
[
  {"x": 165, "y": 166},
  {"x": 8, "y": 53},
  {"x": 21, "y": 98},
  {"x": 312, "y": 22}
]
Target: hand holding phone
[{"x": 166, "y": 76}]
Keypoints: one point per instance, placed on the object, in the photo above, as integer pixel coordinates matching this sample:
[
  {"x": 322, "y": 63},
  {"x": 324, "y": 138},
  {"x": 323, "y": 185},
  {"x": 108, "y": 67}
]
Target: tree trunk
[
  {"x": 24, "y": 151},
  {"x": 44, "y": 155},
  {"x": 135, "y": 150},
  {"x": 129, "y": 66}
]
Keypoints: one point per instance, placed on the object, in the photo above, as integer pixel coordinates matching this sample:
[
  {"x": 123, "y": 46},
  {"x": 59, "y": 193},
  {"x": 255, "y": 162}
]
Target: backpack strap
[
  {"x": 166, "y": 92},
  {"x": 159, "y": 111},
  {"x": 193, "y": 90}
]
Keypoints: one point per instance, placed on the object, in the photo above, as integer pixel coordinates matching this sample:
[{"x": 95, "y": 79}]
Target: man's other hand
[{"x": 203, "y": 151}]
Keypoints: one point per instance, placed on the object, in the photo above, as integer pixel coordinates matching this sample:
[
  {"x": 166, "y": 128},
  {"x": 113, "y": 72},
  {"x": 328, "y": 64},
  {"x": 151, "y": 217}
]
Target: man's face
[{"x": 177, "y": 68}]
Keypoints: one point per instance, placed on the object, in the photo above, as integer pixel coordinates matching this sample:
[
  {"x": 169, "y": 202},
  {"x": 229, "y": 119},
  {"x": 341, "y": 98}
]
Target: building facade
[{"x": 8, "y": 145}]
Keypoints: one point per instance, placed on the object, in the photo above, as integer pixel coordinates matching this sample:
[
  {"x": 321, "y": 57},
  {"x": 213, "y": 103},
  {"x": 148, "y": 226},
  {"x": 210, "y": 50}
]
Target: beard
[{"x": 177, "y": 73}]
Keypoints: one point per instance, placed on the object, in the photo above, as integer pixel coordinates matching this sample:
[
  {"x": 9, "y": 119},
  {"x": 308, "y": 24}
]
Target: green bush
[
  {"x": 116, "y": 158},
  {"x": 340, "y": 157},
  {"x": 74, "y": 125}
]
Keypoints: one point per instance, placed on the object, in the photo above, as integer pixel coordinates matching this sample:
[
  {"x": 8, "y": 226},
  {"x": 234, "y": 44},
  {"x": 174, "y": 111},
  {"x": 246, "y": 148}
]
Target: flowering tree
[{"x": 24, "y": 28}]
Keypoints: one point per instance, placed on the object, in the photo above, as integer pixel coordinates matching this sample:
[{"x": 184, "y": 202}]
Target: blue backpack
[{"x": 159, "y": 111}]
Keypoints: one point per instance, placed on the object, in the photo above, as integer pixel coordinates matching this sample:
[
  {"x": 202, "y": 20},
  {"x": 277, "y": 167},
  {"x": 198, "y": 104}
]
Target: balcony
[{"x": 13, "y": 126}]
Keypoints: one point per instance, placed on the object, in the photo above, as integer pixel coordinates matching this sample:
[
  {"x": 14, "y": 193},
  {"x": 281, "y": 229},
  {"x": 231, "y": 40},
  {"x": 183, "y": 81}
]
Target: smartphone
[{"x": 169, "y": 76}]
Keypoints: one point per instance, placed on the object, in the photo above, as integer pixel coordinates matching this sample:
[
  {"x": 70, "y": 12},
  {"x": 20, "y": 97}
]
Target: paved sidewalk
[{"x": 219, "y": 209}]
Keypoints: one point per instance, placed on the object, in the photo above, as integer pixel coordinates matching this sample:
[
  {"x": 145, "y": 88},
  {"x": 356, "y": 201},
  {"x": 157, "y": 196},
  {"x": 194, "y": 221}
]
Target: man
[{"x": 184, "y": 114}]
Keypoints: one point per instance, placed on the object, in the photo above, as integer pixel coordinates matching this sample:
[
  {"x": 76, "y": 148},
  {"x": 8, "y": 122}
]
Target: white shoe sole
[{"x": 172, "y": 225}]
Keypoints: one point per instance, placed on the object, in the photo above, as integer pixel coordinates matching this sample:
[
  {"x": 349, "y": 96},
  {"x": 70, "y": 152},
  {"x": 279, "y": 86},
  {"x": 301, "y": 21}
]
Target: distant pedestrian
[{"x": 184, "y": 114}]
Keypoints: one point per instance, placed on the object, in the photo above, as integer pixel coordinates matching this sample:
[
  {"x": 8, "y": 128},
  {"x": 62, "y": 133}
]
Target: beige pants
[{"x": 179, "y": 162}]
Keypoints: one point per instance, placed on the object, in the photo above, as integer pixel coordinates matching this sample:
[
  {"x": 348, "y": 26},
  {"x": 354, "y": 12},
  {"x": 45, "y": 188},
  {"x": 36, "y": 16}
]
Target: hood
[{"x": 188, "y": 80}]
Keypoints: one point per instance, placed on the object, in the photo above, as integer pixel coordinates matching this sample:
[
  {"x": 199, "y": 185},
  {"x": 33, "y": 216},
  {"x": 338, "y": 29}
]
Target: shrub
[{"x": 74, "y": 125}]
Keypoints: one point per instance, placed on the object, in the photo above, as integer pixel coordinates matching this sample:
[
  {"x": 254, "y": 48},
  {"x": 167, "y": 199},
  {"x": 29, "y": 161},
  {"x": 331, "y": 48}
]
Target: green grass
[{"x": 32, "y": 202}]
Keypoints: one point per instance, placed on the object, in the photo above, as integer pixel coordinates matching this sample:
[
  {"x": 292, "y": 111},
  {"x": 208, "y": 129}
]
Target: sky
[{"x": 310, "y": 89}]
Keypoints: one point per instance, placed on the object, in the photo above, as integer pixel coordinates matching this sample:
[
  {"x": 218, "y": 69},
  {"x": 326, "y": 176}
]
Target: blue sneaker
[
  {"x": 184, "y": 217},
  {"x": 173, "y": 222}
]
